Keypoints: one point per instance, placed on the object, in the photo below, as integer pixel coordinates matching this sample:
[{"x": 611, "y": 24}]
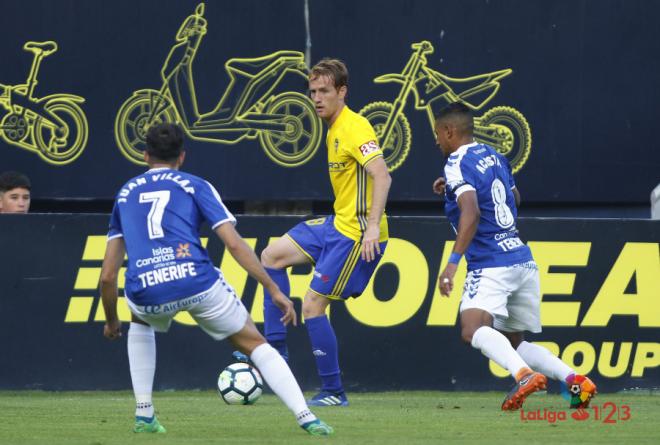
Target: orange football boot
[{"x": 527, "y": 382}]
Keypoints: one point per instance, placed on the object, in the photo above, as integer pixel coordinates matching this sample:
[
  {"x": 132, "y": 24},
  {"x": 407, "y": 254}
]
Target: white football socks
[
  {"x": 496, "y": 346},
  {"x": 543, "y": 361},
  {"x": 142, "y": 361},
  {"x": 281, "y": 380}
]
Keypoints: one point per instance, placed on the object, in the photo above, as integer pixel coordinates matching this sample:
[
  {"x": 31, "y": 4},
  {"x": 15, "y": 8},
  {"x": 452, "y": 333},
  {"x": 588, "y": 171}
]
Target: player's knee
[
  {"x": 267, "y": 259},
  {"x": 247, "y": 341},
  {"x": 466, "y": 335},
  {"x": 272, "y": 258},
  {"x": 248, "y": 348},
  {"x": 135, "y": 319},
  {"x": 515, "y": 338},
  {"x": 312, "y": 308},
  {"x": 309, "y": 311}
]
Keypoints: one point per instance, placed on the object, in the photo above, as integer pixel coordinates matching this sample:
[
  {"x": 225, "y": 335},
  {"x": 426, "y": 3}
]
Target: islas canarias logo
[
  {"x": 502, "y": 127},
  {"x": 255, "y": 104}
]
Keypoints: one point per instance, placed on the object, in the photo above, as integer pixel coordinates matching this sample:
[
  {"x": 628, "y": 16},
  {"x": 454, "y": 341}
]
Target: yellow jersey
[{"x": 352, "y": 144}]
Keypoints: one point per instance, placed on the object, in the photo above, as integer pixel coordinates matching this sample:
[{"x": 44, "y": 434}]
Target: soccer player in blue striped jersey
[
  {"x": 502, "y": 296},
  {"x": 156, "y": 221}
]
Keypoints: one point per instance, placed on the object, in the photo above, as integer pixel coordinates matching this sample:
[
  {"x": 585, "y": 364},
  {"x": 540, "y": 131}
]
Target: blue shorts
[{"x": 340, "y": 272}]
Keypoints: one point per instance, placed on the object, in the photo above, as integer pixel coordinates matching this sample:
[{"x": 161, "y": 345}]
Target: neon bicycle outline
[
  {"x": 54, "y": 126},
  {"x": 248, "y": 109},
  {"x": 502, "y": 127}
]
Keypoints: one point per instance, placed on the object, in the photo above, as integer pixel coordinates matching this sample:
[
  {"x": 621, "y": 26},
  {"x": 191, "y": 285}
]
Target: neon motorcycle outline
[
  {"x": 248, "y": 108},
  {"x": 54, "y": 126},
  {"x": 502, "y": 127}
]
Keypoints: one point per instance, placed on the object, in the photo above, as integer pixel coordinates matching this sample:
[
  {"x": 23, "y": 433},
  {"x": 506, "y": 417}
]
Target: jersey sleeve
[
  {"x": 459, "y": 177},
  {"x": 115, "y": 230},
  {"x": 364, "y": 146},
  {"x": 211, "y": 205}
]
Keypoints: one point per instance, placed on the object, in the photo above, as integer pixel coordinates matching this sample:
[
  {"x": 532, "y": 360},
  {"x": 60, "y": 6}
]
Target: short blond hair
[{"x": 335, "y": 69}]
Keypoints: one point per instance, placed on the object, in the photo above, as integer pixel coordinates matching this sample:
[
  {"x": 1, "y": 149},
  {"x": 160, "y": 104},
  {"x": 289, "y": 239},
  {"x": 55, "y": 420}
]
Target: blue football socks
[
  {"x": 274, "y": 329},
  {"x": 324, "y": 348}
]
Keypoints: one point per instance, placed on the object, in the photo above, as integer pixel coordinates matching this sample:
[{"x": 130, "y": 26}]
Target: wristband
[{"x": 455, "y": 257}]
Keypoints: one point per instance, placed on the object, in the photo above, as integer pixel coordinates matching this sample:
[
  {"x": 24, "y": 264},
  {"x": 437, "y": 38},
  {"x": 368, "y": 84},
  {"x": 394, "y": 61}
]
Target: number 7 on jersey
[{"x": 158, "y": 200}]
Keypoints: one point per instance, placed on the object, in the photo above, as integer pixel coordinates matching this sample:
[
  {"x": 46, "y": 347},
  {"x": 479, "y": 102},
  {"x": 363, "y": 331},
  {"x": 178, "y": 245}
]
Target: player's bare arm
[
  {"x": 114, "y": 257},
  {"x": 377, "y": 169},
  {"x": 467, "y": 227},
  {"x": 439, "y": 185},
  {"x": 246, "y": 257}
]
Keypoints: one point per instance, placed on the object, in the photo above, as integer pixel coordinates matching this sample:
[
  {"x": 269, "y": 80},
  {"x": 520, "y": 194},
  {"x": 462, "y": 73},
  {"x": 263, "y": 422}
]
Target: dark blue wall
[{"x": 584, "y": 76}]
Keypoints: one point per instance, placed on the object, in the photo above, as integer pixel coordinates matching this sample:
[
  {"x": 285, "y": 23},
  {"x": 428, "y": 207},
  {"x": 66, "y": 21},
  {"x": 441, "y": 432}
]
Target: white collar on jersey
[
  {"x": 463, "y": 148},
  {"x": 158, "y": 169}
]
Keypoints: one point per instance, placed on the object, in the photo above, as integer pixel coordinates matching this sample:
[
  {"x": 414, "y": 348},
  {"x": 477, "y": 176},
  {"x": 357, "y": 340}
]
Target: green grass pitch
[{"x": 400, "y": 418}]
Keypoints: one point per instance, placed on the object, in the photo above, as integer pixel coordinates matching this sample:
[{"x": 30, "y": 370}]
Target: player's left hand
[
  {"x": 370, "y": 244},
  {"x": 112, "y": 329},
  {"x": 286, "y": 306},
  {"x": 446, "y": 279},
  {"x": 439, "y": 186}
]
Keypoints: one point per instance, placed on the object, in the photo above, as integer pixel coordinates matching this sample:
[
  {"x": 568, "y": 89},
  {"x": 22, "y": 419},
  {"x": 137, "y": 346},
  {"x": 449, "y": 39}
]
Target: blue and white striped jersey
[
  {"x": 480, "y": 168},
  {"x": 159, "y": 214}
]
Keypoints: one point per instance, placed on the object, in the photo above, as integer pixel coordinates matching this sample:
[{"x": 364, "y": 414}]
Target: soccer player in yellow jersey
[{"x": 344, "y": 248}]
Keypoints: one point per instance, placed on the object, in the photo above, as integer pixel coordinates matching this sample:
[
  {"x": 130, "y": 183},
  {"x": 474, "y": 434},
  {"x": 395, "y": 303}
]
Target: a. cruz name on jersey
[
  {"x": 142, "y": 180},
  {"x": 487, "y": 162}
]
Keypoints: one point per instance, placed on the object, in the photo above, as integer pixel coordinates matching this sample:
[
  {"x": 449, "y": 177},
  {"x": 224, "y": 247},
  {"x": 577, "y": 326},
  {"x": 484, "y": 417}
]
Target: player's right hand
[
  {"x": 112, "y": 329},
  {"x": 439, "y": 186},
  {"x": 370, "y": 245},
  {"x": 446, "y": 279},
  {"x": 286, "y": 306}
]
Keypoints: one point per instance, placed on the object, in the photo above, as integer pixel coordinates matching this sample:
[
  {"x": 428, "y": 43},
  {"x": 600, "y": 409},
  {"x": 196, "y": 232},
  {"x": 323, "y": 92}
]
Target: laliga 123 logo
[{"x": 608, "y": 412}]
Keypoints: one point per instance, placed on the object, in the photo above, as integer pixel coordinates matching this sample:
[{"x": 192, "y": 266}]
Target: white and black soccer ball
[
  {"x": 575, "y": 389},
  {"x": 240, "y": 384}
]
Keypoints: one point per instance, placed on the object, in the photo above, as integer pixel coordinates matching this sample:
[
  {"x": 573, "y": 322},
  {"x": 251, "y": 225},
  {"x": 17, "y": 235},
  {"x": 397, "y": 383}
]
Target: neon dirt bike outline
[
  {"x": 502, "y": 127},
  {"x": 54, "y": 126},
  {"x": 286, "y": 124}
]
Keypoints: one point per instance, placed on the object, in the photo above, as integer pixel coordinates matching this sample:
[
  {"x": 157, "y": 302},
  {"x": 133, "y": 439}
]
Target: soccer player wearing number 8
[
  {"x": 502, "y": 295},
  {"x": 156, "y": 221}
]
